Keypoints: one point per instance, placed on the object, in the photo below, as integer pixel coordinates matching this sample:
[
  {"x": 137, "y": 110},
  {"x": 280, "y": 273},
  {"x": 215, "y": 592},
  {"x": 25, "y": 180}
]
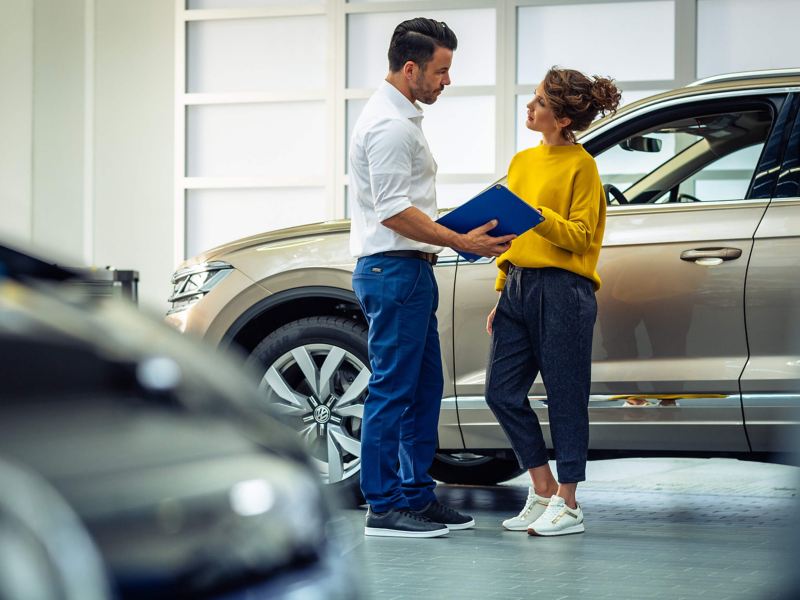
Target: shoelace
[
  {"x": 528, "y": 507},
  {"x": 446, "y": 510},
  {"x": 417, "y": 517}
]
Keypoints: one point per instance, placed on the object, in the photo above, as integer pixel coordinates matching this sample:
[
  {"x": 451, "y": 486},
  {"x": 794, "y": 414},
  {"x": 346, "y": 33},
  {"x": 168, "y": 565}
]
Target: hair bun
[{"x": 605, "y": 95}]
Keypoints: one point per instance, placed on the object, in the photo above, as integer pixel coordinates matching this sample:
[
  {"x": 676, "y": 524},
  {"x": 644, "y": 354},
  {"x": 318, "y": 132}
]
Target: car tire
[
  {"x": 472, "y": 469},
  {"x": 314, "y": 378}
]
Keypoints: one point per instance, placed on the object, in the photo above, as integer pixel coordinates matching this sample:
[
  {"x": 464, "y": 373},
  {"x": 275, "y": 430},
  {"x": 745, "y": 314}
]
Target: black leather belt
[{"x": 428, "y": 257}]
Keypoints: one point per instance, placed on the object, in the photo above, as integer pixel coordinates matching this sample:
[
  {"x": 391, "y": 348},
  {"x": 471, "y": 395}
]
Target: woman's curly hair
[{"x": 579, "y": 98}]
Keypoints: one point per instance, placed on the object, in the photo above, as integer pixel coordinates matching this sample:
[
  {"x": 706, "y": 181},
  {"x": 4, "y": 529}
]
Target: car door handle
[{"x": 711, "y": 255}]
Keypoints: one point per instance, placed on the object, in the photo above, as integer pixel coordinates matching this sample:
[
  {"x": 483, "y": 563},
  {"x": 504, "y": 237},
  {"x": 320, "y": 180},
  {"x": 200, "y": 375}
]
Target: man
[{"x": 396, "y": 241}]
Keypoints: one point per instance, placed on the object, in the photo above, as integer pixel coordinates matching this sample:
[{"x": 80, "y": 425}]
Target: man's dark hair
[{"x": 416, "y": 40}]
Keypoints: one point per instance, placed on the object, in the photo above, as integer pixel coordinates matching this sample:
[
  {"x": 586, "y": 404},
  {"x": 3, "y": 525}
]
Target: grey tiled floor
[{"x": 656, "y": 528}]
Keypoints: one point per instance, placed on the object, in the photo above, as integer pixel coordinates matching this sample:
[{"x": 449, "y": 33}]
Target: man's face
[{"x": 430, "y": 81}]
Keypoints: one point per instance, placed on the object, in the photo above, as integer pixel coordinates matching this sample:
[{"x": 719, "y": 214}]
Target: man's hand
[
  {"x": 479, "y": 242},
  {"x": 416, "y": 225}
]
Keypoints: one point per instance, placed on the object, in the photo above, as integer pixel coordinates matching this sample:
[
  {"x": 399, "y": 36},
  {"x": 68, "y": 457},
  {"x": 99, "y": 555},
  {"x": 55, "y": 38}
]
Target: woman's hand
[{"x": 490, "y": 320}]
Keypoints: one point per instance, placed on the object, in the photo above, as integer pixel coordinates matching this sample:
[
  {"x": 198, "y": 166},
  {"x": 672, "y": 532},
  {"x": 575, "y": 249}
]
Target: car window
[
  {"x": 623, "y": 167},
  {"x": 703, "y": 158},
  {"x": 727, "y": 178}
]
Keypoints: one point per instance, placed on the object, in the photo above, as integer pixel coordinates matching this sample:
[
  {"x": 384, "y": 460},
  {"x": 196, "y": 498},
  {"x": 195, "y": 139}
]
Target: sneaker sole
[
  {"x": 567, "y": 531},
  {"x": 457, "y": 526},
  {"x": 516, "y": 527},
  {"x": 378, "y": 532}
]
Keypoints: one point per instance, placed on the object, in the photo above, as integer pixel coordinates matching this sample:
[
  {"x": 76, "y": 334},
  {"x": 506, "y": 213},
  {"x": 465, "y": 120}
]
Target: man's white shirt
[{"x": 391, "y": 169}]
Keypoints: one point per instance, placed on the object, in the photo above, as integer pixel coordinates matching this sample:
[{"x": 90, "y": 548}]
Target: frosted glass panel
[
  {"x": 267, "y": 140},
  {"x": 461, "y": 133},
  {"x": 630, "y": 41},
  {"x": 275, "y": 54},
  {"x": 354, "y": 108},
  {"x": 741, "y": 35},
  {"x": 525, "y": 137},
  {"x": 629, "y": 97},
  {"x": 368, "y": 38},
  {"x": 455, "y": 194},
  {"x": 214, "y": 217},
  {"x": 234, "y": 4}
]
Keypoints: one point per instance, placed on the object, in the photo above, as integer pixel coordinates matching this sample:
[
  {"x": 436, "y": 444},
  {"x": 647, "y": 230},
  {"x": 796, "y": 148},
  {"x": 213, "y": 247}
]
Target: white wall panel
[
  {"x": 134, "y": 122},
  {"x": 59, "y": 119},
  {"x": 368, "y": 35},
  {"x": 244, "y": 55},
  {"x": 626, "y": 40},
  {"x": 16, "y": 119},
  {"x": 282, "y": 139}
]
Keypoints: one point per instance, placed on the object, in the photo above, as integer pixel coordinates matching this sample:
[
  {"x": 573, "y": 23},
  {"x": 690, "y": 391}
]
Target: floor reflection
[{"x": 656, "y": 528}]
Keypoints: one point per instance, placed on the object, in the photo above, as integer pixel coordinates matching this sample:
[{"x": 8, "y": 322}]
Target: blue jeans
[
  {"x": 544, "y": 323},
  {"x": 399, "y": 297}
]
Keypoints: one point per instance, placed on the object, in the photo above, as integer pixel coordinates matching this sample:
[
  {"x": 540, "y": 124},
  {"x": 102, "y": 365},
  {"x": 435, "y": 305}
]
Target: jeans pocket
[{"x": 407, "y": 287}]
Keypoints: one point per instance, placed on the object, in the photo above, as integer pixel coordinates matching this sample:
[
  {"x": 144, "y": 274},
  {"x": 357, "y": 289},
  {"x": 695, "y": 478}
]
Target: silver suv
[{"x": 697, "y": 344}]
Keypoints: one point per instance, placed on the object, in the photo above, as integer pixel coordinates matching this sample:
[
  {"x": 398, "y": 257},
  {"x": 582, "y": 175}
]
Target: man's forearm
[{"x": 416, "y": 225}]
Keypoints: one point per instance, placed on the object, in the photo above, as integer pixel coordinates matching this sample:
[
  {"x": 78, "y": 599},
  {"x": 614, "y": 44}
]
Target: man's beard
[{"x": 423, "y": 94}]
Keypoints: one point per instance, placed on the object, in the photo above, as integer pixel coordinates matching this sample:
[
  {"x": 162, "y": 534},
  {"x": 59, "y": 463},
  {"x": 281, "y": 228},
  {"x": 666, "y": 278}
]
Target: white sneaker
[
  {"x": 558, "y": 519},
  {"x": 534, "y": 507}
]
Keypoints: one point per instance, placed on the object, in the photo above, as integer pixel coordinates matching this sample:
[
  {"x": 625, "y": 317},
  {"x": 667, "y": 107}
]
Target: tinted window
[{"x": 704, "y": 158}]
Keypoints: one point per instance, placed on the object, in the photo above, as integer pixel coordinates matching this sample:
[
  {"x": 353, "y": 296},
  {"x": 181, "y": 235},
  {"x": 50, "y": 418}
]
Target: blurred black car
[{"x": 132, "y": 456}]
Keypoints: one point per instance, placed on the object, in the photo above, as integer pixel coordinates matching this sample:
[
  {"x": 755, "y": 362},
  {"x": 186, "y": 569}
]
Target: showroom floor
[{"x": 655, "y": 528}]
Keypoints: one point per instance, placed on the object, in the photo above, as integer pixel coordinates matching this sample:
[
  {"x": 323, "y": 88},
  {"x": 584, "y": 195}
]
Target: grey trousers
[{"x": 543, "y": 324}]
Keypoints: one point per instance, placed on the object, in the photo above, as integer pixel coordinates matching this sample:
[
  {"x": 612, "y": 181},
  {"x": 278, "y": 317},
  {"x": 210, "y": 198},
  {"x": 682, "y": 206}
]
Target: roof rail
[{"x": 744, "y": 75}]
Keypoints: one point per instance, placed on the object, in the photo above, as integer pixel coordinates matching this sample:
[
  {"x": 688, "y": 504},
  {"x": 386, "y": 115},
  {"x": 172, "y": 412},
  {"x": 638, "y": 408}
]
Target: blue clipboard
[{"x": 513, "y": 214}]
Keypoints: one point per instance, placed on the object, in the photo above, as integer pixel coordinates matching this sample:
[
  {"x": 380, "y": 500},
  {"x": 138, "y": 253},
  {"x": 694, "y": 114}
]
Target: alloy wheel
[{"x": 320, "y": 389}]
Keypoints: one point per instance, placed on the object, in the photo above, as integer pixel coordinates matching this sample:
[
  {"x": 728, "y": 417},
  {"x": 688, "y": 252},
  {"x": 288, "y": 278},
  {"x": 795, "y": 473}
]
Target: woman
[{"x": 545, "y": 315}]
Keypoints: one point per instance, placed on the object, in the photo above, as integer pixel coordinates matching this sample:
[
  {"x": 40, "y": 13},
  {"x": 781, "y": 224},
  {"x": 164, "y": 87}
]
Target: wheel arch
[{"x": 281, "y": 308}]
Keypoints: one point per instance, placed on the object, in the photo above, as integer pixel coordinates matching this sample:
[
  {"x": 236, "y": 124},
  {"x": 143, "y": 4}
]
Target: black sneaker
[
  {"x": 402, "y": 523},
  {"x": 438, "y": 512}
]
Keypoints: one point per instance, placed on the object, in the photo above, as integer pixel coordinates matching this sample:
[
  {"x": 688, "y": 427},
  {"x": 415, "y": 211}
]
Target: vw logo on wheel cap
[{"x": 322, "y": 414}]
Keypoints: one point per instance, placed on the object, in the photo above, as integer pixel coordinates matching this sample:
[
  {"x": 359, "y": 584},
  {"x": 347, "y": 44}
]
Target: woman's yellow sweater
[{"x": 563, "y": 183}]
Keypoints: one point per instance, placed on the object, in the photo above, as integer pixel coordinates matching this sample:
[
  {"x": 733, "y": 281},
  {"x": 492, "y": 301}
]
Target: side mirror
[{"x": 640, "y": 143}]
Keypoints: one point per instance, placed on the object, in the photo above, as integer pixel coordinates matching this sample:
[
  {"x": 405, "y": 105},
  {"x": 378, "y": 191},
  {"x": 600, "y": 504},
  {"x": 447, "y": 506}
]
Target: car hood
[{"x": 267, "y": 237}]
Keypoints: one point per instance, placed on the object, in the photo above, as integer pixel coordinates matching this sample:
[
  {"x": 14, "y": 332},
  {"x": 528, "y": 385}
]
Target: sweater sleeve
[{"x": 576, "y": 231}]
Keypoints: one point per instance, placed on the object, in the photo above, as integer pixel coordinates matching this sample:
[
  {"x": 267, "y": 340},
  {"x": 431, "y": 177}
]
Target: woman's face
[{"x": 540, "y": 115}]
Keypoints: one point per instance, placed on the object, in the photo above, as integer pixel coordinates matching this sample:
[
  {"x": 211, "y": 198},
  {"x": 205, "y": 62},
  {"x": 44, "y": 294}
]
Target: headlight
[{"x": 191, "y": 284}]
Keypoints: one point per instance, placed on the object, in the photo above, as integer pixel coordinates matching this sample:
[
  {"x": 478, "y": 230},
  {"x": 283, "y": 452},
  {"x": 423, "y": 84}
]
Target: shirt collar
[{"x": 406, "y": 108}]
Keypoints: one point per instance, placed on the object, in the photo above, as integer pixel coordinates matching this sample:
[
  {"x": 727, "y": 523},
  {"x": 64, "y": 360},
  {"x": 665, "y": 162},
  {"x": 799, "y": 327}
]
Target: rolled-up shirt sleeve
[{"x": 389, "y": 148}]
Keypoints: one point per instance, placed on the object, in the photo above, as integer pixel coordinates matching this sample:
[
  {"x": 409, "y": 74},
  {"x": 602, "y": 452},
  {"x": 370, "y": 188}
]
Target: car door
[
  {"x": 669, "y": 343},
  {"x": 771, "y": 380}
]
